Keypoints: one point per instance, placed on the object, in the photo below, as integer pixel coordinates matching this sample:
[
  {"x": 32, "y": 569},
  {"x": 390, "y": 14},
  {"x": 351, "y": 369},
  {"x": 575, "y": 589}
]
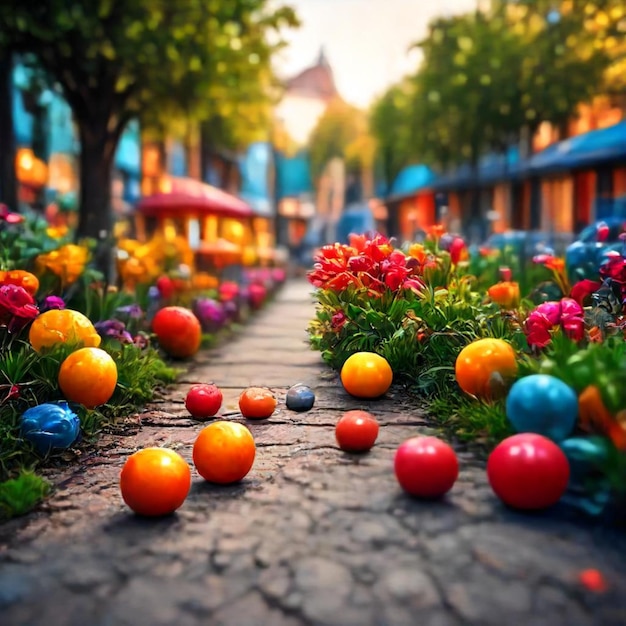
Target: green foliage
[
  {"x": 420, "y": 336},
  {"x": 340, "y": 126},
  {"x": 115, "y": 60},
  {"x": 469, "y": 419},
  {"x": 489, "y": 79},
  {"x": 390, "y": 125},
  {"x": 19, "y": 495},
  {"x": 139, "y": 373},
  {"x": 21, "y": 243}
]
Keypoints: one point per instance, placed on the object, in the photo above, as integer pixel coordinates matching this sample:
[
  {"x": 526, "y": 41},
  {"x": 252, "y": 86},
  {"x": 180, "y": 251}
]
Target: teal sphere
[{"x": 542, "y": 404}]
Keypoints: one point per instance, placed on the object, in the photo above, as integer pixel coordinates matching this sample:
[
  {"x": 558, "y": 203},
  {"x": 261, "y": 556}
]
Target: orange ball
[
  {"x": 178, "y": 331},
  {"x": 366, "y": 375},
  {"x": 486, "y": 367},
  {"x": 155, "y": 481},
  {"x": 88, "y": 376},
  {"x": 257, "y": 403},
  {"x": 224, "y": 452}
]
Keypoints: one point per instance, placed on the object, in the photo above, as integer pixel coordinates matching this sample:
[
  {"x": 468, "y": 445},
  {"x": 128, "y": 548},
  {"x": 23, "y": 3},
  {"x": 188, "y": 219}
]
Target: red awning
[{"x": 186, "y": 196}]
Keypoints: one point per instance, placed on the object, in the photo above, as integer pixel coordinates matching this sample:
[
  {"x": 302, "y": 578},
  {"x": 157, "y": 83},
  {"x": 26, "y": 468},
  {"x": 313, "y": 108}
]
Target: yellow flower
[
  {"x": 62, "y": 326},
  {"x": 418, "y": 252},
  {"x": 57, "y": 232},
  {"x": 68, "y": 262}
]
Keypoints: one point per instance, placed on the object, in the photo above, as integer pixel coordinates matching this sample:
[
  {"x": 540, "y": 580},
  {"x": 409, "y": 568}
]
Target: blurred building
[
  {"x": 305, "y": 99},
  {"x": 47, "y": 157}
]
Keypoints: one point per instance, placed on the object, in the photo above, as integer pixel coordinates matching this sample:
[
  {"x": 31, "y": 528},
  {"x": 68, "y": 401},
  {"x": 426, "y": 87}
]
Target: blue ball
[
  {"x": 544, "y": 405},
  {"x": 49, "y": 426},
  {"x": 300, "y": 398}
]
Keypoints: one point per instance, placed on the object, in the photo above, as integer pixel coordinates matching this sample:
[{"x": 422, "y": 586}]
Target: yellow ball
[{"x": 366, "y": 375}]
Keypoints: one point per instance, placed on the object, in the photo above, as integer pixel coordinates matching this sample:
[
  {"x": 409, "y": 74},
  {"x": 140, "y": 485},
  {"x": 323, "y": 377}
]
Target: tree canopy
[
  {"x": 153, "y": 59},
  {"x": 489, "y": 79},
  {"x": 340, "y": 132}
]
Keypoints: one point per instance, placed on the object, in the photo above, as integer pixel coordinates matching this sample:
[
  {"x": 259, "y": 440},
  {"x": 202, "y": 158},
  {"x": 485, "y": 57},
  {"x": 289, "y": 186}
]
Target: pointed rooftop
[{"x": 316, "y": 81}]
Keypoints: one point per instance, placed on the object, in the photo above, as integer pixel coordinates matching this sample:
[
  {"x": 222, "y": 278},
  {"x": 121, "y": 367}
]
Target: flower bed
[
  {"x": 77, "y": 354},
  {"x": 422, "y": 306}
]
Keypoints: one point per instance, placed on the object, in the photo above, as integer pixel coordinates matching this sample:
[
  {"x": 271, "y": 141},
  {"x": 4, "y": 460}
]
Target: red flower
[
  {"x": 506, "y": 274},
  {"x": 615, "y": 268},
  {"x": 457, "y": 250},
  {"x": 583, "y": 289},
  {"x": 602, "y": 231},
  {"x": 361, "y": 264},
  {"x": 17, "y": 307},
  {"x": 166, "y": 287}
]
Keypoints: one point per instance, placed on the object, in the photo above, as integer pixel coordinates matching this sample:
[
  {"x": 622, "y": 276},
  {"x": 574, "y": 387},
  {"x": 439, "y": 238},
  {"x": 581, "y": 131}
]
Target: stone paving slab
[{"x": 311, "y": 536}]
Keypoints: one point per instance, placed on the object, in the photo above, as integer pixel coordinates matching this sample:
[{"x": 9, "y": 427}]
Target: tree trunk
[
  {"x": 96, "y": 215},
  {"x": 8, "y": 183}
]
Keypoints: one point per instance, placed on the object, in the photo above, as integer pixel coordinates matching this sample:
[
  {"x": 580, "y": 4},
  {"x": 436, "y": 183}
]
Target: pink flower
[
  {"x": 9, "y": 217},
  {"x": 551, "y": 310},
  {"x": 338, "y": 320},
  {"x": 537, "y": 328},
  {"x": 414, "y": 284},
  {"x": 567, "y": 314},
  {"x": 17, "y": 307}
]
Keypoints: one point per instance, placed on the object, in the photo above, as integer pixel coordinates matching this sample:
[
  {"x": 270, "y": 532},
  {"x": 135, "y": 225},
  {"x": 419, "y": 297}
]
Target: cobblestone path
[{"x": 311, "y": 536}]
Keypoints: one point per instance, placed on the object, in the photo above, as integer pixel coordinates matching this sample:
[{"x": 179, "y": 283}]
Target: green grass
[
  {"x": 19, "y": 495},
  {"x": 470, "y": 419}
]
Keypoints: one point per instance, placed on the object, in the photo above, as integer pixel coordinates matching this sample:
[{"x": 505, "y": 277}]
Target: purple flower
[
  {"x": 114, "y": 329},
  {"x": 211, "y": 313},
  {"x": 133, "y": 311},
  {"x": 52, "y": 302}
]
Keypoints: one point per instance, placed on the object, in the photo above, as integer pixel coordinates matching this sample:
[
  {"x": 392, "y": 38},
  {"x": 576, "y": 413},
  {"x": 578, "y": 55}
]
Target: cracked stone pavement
[{"x": 311, "y": 536}]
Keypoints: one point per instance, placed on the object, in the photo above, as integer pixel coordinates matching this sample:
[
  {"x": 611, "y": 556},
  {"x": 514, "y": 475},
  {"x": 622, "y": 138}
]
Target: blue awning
[
  {"x": 410, "y": 180},
  {"x": 587, "y": 150},
  {"x": 293, "y": 175}
]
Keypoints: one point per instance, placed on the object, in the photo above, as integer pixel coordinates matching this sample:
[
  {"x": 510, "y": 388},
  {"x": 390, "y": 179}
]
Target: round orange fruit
[
  {"x": 88, "y": 376},
  {"x": 224, "y": 452},
  {"x": 178, "y": 331},
  {"x": 486, "y": 367},
  {"x": 155, "y": 481},
  {"x": 257, "y": 403},
  {"x": 366, "y": 375}
]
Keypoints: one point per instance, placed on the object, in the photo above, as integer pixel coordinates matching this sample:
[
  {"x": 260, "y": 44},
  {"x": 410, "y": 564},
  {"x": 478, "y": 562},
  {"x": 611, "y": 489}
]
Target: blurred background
[{"x": 321, "y": 116}]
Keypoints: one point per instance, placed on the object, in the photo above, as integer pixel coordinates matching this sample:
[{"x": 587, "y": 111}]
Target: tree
[
  {"x": 8, "y": 186},
  {"x": 390, "y": 125},
  {"x": 116, "y": 59},
  {"x": 339, "y": 127}
]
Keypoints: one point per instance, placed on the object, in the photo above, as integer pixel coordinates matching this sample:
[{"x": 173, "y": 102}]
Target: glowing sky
[{"x": 366, "y": 41}]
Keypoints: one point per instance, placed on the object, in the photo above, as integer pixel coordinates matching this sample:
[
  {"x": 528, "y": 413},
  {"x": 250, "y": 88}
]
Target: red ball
[
  {"x": 177, "y": 330},
  {"x": 528, "y": 471},
  {"x": 426, "y": 467},
  {"x": 203, "y": 400},
  {"x": 356, "y": 431}
]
